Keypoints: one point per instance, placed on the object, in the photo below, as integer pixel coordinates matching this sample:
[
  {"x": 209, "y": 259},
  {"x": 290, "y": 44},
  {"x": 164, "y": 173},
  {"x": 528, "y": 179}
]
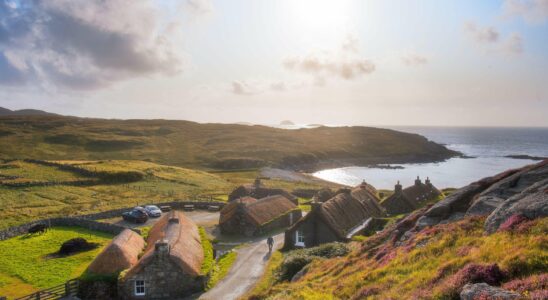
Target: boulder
[
  {"x": 482, "y": 290},
  {"x": 497, "y": 193},
  {"x": 532, "y": 203}
]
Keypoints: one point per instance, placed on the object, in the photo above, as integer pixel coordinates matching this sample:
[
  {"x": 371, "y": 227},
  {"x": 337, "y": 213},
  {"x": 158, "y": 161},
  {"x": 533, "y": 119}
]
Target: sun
[{"x": 314, "y": 15}]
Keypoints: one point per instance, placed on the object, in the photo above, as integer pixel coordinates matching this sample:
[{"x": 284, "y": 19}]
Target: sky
[{"x": 333, "y": 62}]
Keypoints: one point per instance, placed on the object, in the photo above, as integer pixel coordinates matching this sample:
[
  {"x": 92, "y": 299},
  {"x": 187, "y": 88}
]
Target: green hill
[{"x": 213, "y": 146}]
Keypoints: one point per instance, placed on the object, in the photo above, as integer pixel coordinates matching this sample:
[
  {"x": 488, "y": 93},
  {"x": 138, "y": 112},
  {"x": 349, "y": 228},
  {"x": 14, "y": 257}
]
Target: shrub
[
  {"x": 472, "y": 273},
  {"x": 297, "y": 259},
  {"x": 528, "y": 284},
  {"x": 512, "y": 222},
  {"x": 293, "y": 264}
]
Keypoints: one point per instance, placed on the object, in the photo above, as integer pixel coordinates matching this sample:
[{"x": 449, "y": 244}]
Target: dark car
[{"x": 136, "y": 215}]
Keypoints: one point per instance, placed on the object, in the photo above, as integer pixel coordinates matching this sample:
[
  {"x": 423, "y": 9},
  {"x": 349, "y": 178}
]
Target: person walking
[{"x": 270, "y": 242}]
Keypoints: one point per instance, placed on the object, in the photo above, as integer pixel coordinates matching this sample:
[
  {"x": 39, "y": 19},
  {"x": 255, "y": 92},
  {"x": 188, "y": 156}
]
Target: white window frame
[
  {"x": 299, "y": 238},
  {"x": 138, "y": 286}
]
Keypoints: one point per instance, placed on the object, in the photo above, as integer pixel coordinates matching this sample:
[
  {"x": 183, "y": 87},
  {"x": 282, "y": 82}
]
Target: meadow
[
  {"x": 25, "y": 266},
  {"x": 158, "y": 183},
  {"x": 209, "y": 146}
]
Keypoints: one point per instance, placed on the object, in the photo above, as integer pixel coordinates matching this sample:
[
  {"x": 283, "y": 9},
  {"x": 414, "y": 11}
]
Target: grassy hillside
[
  {"x": 25, "y": 266},
  {"x": 434, "y": 264},
  {"x": 217, "y": 146},
  {"x": 32, "y": 190}
]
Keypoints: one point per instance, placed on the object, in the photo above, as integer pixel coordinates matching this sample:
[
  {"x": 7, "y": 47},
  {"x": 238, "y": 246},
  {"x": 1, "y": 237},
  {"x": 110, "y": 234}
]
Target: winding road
[{"x": 245, "y": 272}]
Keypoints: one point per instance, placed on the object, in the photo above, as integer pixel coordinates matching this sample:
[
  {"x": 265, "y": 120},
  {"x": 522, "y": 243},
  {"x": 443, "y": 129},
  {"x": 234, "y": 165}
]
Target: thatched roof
[
  {"x": 268, "y": 208},
  {"x": 344, "y": 212},
  {"x": 258, "y": 191},
  {"x": 122, "y": 253},
  {"x": 347, "y": 210},
  {"x": 184, "y": 241},
  {"x": 411, "y": 196},
  {"x": 231, "y": 208},
  {"x": 257, "y": 212}
]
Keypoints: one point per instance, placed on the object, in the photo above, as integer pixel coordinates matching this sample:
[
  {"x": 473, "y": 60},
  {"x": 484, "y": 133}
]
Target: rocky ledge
[{"x": 507, "y": 197}]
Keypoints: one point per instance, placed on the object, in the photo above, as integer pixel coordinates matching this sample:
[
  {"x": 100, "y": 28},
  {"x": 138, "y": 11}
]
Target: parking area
[{"x": 204, "y": 218}]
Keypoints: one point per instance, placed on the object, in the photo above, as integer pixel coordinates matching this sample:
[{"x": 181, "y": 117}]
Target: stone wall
[
  {"x": 68, "y": 221},
  {"x": 89, "y": 221}
]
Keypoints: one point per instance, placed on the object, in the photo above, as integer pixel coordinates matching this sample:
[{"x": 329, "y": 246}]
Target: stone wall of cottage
[{"x": 163, "y": 280}]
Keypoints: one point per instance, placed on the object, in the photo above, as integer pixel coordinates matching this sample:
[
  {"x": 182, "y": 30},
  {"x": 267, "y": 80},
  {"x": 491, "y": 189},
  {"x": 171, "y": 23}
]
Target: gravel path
[{"x": 245, "y": 272}]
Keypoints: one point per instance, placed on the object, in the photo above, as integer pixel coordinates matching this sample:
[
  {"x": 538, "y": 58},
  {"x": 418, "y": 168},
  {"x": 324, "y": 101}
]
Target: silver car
[{"x": 153, "y": 211}]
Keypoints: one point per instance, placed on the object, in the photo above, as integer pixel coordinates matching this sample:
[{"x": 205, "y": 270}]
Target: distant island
[
  {"x": 211, "y": 146},
  {"x": 286, "y": 123},
  {"x": 24, "y": 112},
  {"x": 524, "y": 156}
]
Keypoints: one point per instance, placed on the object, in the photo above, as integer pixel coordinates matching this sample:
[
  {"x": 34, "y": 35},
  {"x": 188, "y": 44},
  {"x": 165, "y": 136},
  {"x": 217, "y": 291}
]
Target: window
[
  {"x": 139, "y": 287},
  {"x": 299, "y": 238}
]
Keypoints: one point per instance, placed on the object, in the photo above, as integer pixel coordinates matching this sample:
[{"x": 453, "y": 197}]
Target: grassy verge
[
  {"x": 25, "y": 266},
  {"x": 221, "y": 268},
  {"x": 209, "y": 261}
]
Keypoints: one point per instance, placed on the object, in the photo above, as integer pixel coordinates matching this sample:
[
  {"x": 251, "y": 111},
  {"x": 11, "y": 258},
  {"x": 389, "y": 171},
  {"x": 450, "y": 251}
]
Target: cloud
[
  {"x": 85, "y": 45},
  {"x": 532, "y": 11},
  {"x": 198, "y": 7},
  {"x": 513, "y": 44},
  {"x": 482, "y": 35},
  {"x": 243, "y": 89},
  {"x": 413, "y": 60},
  {"x": 278, "y": 86},
  {"x": 490, "y": 40}
]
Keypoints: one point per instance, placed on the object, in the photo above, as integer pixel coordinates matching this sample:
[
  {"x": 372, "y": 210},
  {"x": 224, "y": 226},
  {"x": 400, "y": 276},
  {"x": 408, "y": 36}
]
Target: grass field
[
  {"x": 208, "y": 146},
  {"x": 160, "y": 183},
  {"x": 25, "y": 267}
]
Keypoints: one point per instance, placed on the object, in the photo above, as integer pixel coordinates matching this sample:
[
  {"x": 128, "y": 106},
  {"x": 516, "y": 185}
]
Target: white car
[{"x": 153, "y": 211}]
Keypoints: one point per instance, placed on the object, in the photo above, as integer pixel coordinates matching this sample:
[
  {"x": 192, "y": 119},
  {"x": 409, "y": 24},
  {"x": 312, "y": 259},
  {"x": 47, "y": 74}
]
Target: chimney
[
  {"x": 257, "y": 182},
  {"x": 161, "y": 248},
  {"x": 315, "y": 206},
  {"x": 173, "y": 220},
  {"x": 398, "y": 188},
  {"x": 418, "y": 181},
  {"x": 428, "y": 183},
  {"x": 363, "y": 185}
]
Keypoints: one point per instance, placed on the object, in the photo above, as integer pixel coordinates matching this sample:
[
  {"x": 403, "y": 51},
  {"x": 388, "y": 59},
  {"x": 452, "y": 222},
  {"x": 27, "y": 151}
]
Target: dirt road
[{"x": 245, "y": 272}]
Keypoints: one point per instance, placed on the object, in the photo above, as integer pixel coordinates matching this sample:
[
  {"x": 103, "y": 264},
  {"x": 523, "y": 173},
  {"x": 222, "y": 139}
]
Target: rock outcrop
[
  {"x": 522, "y": 191},
  {"x": 485, "y": 291}
]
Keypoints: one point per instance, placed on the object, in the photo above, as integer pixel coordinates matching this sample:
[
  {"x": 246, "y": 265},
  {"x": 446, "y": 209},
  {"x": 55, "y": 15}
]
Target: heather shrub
[
  {"x": 471, "y": 273},
  {"x": 529, "y": 284},
  {"x": 512, "y": 222}
]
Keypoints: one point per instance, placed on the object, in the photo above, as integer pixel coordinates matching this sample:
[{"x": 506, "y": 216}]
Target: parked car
[
  {"x": 153, "y": 211},
  {"x": 136, "y": 215}
]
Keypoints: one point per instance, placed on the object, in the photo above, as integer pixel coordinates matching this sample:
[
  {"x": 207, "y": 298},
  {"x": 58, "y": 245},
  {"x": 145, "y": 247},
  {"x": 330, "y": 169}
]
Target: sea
[{"x": 486, "y": 149}]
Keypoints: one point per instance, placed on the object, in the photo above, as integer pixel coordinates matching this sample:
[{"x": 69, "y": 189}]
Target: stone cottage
[
  {"x": 257, "y": 190},
  {"x": 249, "y": 216},
  {"x": 171, "y": 263},
  {"x": 337, "y": 219},
  {"x": 120, "y": 254},
  {"x": 410, "y": 198}
]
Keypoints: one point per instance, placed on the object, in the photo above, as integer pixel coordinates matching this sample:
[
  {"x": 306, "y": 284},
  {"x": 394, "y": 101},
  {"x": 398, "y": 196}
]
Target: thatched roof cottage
[
  {"x": 257, "y": 190},
  {"x": 337, "y": 219},
  {"x": 250, "y": 216},
  {"x": 410, "y": 198},
  {"x": 171, "y": 263},
  {"x": 120, "y": 254}
]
